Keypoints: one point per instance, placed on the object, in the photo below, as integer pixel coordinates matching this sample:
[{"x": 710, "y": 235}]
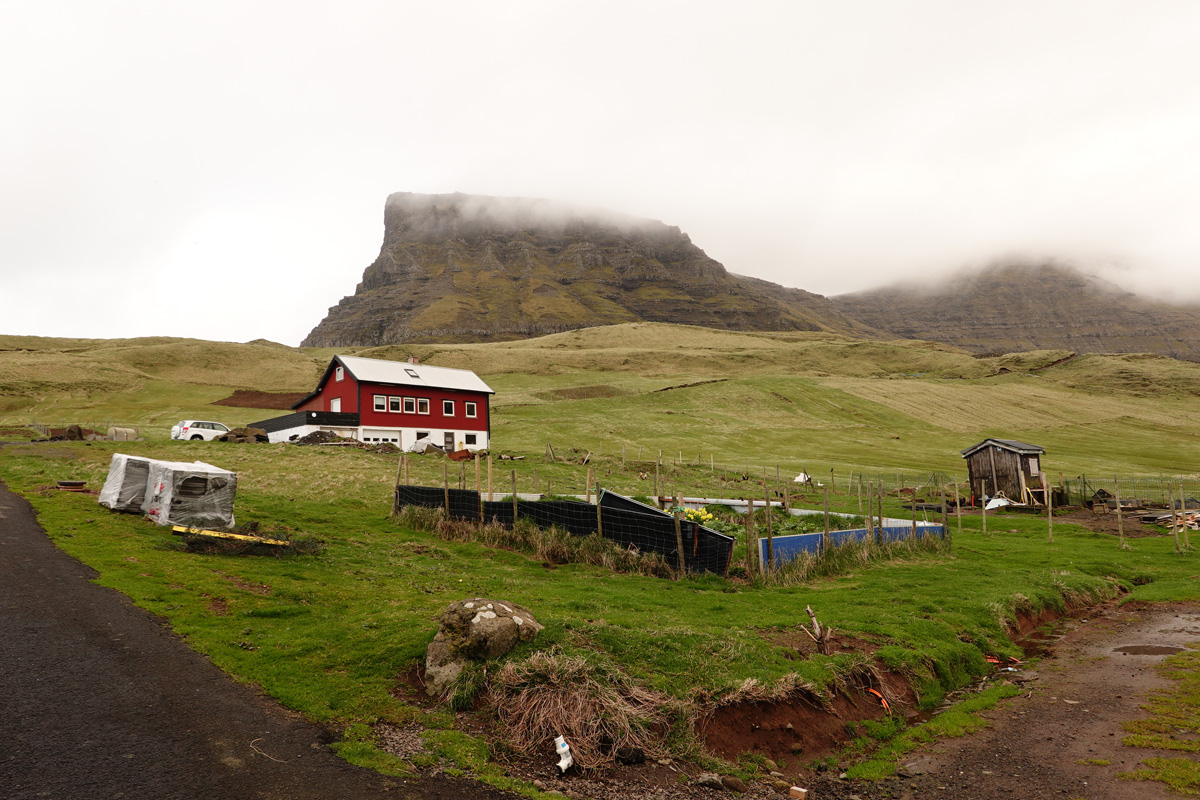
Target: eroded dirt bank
[{"x": 1052, "y": 741}]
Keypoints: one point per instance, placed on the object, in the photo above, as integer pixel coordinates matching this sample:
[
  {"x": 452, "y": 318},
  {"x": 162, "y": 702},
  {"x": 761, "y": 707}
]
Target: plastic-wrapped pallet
[
  {"x": 125, "y": 487},
  {"x": 195, "y": 494}
]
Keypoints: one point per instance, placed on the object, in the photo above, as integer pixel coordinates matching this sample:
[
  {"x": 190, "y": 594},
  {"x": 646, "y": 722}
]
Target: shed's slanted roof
[
  {"x": 401, "y": 373},
  {"x": 1006, "y": 444}
]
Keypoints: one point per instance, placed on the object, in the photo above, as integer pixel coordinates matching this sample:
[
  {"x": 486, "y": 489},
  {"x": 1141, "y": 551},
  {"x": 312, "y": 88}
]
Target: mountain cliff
[
  {"x": 457, "y": 267},
  {"x": 1009, "y": 308}
]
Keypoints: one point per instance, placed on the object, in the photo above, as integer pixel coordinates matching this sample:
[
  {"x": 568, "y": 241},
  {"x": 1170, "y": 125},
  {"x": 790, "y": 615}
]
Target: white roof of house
[{"x": 402, "y": 373}]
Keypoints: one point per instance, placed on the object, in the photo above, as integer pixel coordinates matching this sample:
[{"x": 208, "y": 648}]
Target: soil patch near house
[
  {"x": 1106, "y": 522},
  {"x": 1098, "y": 521},
  {"x": 245, "y": 398}
]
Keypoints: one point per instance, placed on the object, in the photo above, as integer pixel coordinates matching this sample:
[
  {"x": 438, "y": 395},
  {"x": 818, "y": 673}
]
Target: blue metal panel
[{"x": 786, "y": 548}]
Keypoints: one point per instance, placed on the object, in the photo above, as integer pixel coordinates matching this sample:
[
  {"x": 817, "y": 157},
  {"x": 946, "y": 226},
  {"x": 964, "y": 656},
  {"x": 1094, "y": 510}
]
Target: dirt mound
[
  {"x": 244, "y": 436},
  {"x": 245, "y": 398},
  {"x": 322, "y": 437}
]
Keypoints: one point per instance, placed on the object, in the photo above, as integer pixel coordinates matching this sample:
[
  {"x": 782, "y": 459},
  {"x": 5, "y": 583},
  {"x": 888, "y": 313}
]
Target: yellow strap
[{"x": 179, "y": 529}]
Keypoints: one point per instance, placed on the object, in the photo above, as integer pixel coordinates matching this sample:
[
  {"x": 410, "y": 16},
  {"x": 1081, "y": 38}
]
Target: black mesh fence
[{"x": 619, "y": 519}]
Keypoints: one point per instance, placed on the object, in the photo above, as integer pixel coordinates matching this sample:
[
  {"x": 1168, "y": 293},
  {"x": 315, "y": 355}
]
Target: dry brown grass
[
  {"x": 551, "y": 545},
  {"x": 789, "y": 687},
  {"x": 598, "y": 709}
]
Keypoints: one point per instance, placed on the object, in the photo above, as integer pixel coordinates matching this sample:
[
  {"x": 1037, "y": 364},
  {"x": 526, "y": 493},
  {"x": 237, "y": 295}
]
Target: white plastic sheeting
[
  {"x": 195, "y": 494},
  {"x": 423, "y": 445}
]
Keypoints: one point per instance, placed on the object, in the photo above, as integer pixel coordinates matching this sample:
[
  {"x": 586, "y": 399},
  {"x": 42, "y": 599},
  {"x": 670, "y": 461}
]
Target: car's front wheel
[{"x": 197, "y": 436}]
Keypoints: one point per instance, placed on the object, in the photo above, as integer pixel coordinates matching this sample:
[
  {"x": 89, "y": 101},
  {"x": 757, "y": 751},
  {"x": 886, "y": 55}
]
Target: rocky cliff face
[
  {"x": 1015, "y": 307},
  {"x": 458, "y": 267}
]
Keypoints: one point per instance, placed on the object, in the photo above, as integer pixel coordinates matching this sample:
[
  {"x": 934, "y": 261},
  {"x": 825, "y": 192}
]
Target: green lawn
[{"x": 330, "y": 634}]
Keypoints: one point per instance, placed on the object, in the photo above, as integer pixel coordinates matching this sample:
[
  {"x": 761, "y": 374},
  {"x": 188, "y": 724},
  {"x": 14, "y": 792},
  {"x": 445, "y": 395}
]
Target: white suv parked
[{"x": 198, "y": 429}]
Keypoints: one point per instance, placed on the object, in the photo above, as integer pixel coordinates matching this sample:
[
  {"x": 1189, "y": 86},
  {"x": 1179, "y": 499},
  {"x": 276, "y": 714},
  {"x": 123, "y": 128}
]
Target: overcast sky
[{"x": 219, "y": 170}]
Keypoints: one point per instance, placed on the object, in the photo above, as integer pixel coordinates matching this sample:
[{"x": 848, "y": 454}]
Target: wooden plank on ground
[{"x": 180, "y": 530}]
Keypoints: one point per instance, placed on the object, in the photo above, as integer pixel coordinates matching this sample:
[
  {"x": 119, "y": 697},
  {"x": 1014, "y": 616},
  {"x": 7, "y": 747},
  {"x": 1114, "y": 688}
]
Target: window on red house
[
  {"x": 448, "y": 408},
  {"x": 380, "y": 403},
  {"x": 410, "y": 405},
  {"x": 394, "y": 404},
  {"x": 469, "y": 408},
  {"x": 422, "y": 405}
]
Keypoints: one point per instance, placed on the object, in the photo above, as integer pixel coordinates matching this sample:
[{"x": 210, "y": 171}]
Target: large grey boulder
[{"x": 474, "y": 630}]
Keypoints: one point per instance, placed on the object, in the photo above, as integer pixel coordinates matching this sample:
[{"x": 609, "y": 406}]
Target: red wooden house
[{"x": 374, "y": 400}]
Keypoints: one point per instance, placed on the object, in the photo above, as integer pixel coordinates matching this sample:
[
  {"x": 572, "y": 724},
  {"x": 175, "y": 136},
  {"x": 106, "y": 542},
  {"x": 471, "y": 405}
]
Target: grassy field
[
  {"x": 330, "y": 634},
  {"x": 801, "y": 400}
]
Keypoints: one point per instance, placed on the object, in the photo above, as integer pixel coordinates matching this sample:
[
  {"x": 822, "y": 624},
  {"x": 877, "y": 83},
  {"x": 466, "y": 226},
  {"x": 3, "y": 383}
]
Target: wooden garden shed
[{"x": 1008, "y": 466}]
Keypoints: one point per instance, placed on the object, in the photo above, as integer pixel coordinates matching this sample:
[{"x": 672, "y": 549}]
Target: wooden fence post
[
  {"x": 751, "y": 540},
  {"x": 599, "y": 518},
  {"x": 1120, "y": 522},
  {"x": 882, "y": 492},
  {"x": 1187, "y": 541},
  {"x": 870, "y": 511},
  {"x": 588, "y": 487},
  {"x": 860, "y": 494},
  {"x": 514, "y": 497},
  {"x": 958, "y": 508},
  {"x": 825, "y": 539},
  {"x": 983, "y": 502},
  {"x": 679, "y": 542},
  {"x": 1174, "y": 518},
  {"x": 1049, "y": 512},
  {"x": 446, "y": 487},
  {"x": 913, "y": 500},
  {"x": 396, "y": 488},
  {"x": 490, "y": 498},
  {"x": 770, "y": 566},
  {"x": 945, "y": 519}
]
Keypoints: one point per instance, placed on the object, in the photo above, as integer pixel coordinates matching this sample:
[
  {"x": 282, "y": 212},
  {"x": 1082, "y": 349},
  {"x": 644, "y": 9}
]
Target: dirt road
[
  {"x": 100, "y": 700},
  {"x": 1062, "y": 739}
]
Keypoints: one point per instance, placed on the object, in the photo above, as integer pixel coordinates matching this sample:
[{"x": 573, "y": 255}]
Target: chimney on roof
[{"x": 414, "y": 360}]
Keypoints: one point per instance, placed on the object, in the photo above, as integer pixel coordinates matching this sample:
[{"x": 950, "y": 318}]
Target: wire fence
[
  {"x": 671, "y": 468},
  {"x": 1153, "y": 491},
  {"x": 619, "y": 519},
  {"x": 774, "y": 471}
]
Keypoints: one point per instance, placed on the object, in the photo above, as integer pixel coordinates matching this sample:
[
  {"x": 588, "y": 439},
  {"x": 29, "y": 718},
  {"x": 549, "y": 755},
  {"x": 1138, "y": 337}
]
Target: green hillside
[
  {"x": 331, "y": 635},
  {"x": 803, "y": 400}
]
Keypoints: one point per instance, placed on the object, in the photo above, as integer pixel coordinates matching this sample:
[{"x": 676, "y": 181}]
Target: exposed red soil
[
  {"x": 245, "y": 398},
  {"x": 801, "y": 726}
]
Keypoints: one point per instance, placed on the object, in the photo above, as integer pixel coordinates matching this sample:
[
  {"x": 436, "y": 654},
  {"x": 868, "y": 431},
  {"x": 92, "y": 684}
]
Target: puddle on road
[{"x": 1149, "y": 649}]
